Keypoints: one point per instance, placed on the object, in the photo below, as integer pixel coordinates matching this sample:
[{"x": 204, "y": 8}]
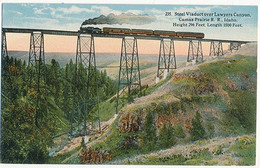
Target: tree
[
  {"x": 179, "y": 132},
  {"x": 54, "y": 81},
  {"x": 166, "y": 136},
  {"x": 149, "y": 137},
  {"x": 197, "y": 131},
  {"x": 22, "y": 141},
  {"x": 67, "y": 93},
  {"x": 31, "y": 119}
]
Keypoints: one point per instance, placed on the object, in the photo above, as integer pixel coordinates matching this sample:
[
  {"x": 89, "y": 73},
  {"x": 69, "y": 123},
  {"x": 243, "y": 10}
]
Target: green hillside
[{"x": 217, "y": 99}]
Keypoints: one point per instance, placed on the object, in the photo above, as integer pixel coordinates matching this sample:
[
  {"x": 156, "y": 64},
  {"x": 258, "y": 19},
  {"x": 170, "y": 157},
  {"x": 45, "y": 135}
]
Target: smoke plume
[{"x": 124, "y": 18}]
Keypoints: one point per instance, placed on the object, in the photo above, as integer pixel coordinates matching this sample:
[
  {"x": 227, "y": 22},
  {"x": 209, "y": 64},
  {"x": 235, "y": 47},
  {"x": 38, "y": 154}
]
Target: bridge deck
[{"x": 145, "y": 37}]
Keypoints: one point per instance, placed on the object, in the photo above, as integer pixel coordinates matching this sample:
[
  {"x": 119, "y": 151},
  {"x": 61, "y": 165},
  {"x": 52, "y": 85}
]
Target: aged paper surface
[{"x": 122, "y": 83}]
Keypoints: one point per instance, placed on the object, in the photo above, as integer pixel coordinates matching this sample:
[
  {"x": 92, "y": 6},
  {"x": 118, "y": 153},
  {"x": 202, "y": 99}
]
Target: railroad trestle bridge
[{"x": 129, "y": 70}]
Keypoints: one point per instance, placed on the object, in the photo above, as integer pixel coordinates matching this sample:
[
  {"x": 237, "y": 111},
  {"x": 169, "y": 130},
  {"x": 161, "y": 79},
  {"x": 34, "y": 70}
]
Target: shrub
[
  {"x": 246, "y": 140},
  {"x": 218, "y": 150}
]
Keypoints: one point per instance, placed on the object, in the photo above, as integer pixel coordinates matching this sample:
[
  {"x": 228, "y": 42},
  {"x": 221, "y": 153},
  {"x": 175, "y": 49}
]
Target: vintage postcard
[{"x": 120, "y": 84}]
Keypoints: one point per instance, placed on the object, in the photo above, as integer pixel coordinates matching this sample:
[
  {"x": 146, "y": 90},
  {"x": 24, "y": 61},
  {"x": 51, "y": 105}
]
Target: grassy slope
[
  {"x": 220, "y": 71},
  {"x": 240, "y": 151},
  {"x": 107, "y": 109},
  {"x": 234, "y": 83}
]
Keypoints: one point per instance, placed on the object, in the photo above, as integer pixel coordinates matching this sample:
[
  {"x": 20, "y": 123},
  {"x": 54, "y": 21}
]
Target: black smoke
[{"x": 124, "y": 18}]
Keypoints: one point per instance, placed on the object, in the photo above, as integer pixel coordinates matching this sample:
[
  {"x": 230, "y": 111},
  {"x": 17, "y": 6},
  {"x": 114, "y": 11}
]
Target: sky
[{"x": 71, "y": 16}]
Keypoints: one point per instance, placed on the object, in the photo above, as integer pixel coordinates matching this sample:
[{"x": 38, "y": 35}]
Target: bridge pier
[
  {"x": 216, "y": 48},
  {"x": 167, "y": 59},
  {"x": 37, "y": 71},
  {"x": 234, "y": 46},
  {"x": 85, "y": 56},
  {"x": 129, "y": 72},
  {"x": 4, "y": 45},
  {"x": 195, "y": 51},
  {"x": 85, "y": 53},
  {"x": 36, "y": 63}
]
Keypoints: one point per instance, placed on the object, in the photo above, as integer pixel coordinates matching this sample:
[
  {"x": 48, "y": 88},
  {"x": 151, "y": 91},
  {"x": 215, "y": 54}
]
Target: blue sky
[{"x": 70, "y": 17}]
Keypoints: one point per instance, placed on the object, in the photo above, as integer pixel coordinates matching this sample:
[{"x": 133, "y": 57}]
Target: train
[
  {"x": 112, "y": 30},
  {"x": 90, "y": 30}
]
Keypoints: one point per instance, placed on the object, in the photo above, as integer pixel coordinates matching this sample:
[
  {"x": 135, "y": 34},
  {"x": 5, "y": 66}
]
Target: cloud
[
  {"x": 58, "y": 16},
  {"x": 74, "y": 10},
  {"x": 27, "y": 4},
  {"x": 15, "y": 12},
  {"x": 104, "y": 10},
  {"x": 137, "y": 12},
  {"x": 39, "y": 11},
  {"x": 43, "y": 10},
  {"x": 123, "y": 18},
  {"x": 156, "y": 11},
  {"x": 58, "y": 12}
]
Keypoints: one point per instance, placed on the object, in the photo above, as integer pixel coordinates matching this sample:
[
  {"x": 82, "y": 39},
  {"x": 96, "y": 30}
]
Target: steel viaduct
[{"x": 129, "y": 72}]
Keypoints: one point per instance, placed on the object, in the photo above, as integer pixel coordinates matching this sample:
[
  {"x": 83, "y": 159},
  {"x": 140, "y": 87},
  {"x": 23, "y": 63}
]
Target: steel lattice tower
[
  {"x": 4, "y": 53},
  {"x": 216, "y": 48},
  {"x": 167, "y": 59},
  {"x": 135, "y": 79},
  {"x": 195, "y": 51},
  {"x": 36, "y": 64},
  {"x": 85, "y": 56},
  {"x": 129, "y": 72},
  {"x": 4, "y": 46},
  {"x": 36, "y": 70}
]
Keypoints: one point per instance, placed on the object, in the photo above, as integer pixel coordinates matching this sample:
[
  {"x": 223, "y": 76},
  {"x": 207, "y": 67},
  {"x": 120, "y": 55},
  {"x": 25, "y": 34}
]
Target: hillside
[
  {"x": 210, "y": 107},
  {"x": 236, "y": 150}
]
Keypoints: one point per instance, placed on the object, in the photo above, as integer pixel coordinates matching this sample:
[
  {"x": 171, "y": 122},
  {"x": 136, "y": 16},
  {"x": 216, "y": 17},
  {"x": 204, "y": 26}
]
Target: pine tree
[
  {"x": 67, "y": 93},
  {"x": 166, "y": 137},
  {"x": 54, "y": 81},
  {"x": 24, "y": 141},
  {"x": 149, "y": 137},
  {"x": 179, "y": 132},
  {"x": 197, "y": 131}
]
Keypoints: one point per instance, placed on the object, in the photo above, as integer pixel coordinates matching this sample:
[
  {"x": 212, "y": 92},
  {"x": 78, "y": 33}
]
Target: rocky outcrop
[
  {"x": 130, "y": 123},
  {"x": 95, "y": 156}
]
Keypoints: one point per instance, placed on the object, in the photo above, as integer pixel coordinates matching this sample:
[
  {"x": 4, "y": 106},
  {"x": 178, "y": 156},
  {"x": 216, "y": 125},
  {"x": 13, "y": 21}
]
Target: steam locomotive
[
  {"x": 90, "y": 30},
  {"x": 110, "y": 30}
]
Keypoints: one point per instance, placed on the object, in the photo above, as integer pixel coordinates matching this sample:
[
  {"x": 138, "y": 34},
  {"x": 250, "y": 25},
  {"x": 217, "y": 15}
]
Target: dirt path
[
  {"x": 101, "y": 137},
  {"x": 75, "y": 142}
]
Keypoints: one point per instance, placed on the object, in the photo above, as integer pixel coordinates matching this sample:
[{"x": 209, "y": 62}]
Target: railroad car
[
  {"x": 190, "y": 35},
  {"x": 90, "y": 30},
  {"x": 164, "y": 33},
  {"x": 142, "y": 31},
  {"x": 109, "y": 30}
]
